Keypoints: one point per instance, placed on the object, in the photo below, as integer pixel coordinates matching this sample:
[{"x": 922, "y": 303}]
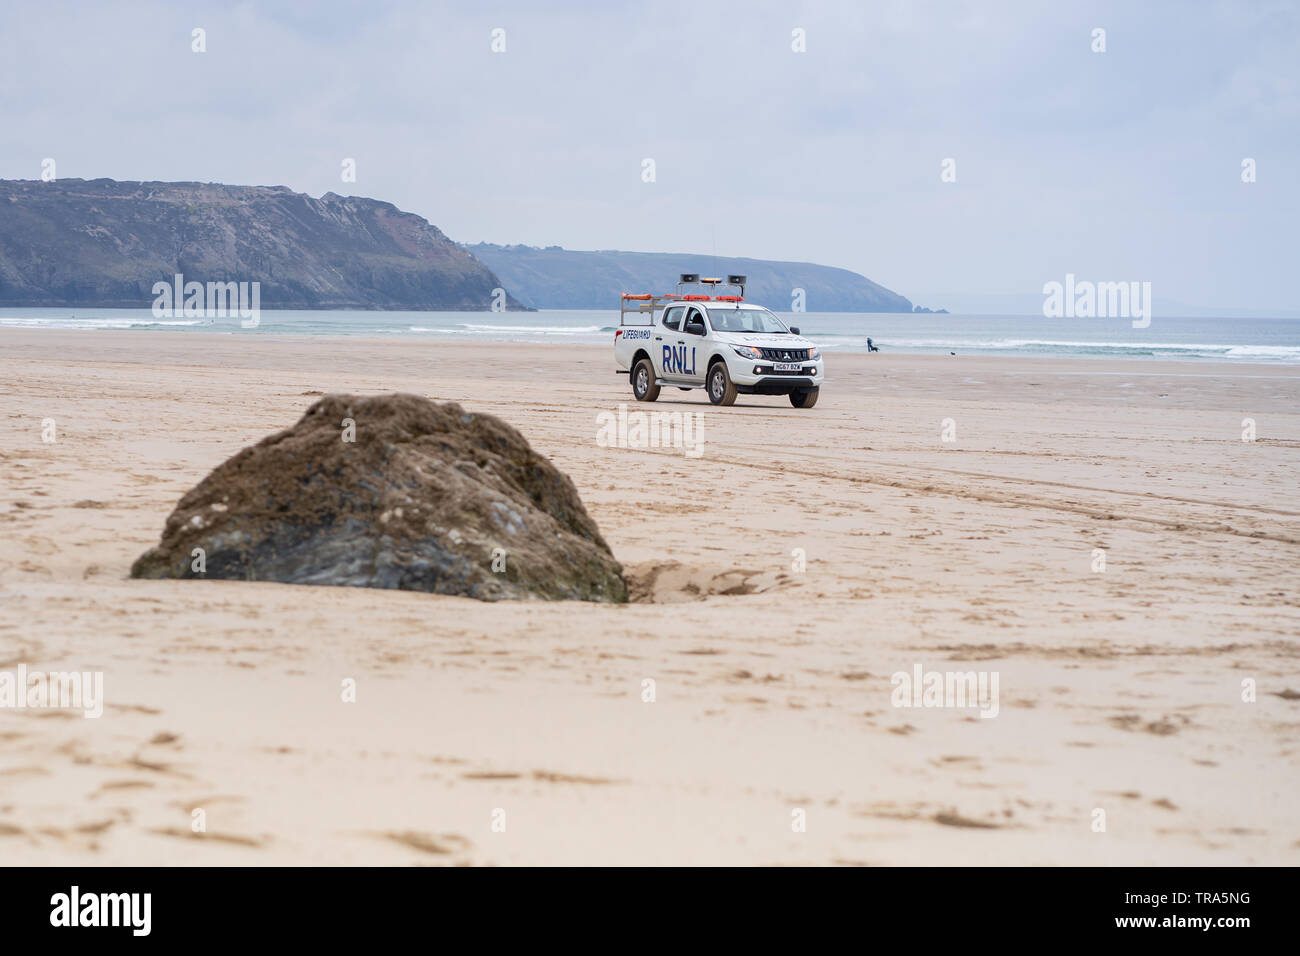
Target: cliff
[
  {"x": 556, "y": 278},
  {"x": 74, "y": 242}
]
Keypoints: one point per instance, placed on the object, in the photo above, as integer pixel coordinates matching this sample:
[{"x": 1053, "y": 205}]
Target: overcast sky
[{"x": 1122, "y": 165}]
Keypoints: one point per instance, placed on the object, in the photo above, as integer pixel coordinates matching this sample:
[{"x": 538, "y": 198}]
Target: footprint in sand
[
  {"x": 440, "y": 844},
  {"x": 671, "y": 582},
  {"x": 119, "y": 785},
  {"x": 231, "y": 838},
  {"x": 957, "y": 820}
]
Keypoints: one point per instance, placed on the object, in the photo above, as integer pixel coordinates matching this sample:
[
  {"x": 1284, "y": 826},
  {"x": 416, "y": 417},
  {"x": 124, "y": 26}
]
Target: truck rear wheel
[
  {"x": 721, "y": 390},
  {"x": 804, "y": 398},
  {"x": 645, "y": 387}
]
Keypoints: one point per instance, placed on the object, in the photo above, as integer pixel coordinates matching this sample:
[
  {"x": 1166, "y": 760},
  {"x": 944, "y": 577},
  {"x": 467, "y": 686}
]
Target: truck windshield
[{"x": 745, "y": 320}]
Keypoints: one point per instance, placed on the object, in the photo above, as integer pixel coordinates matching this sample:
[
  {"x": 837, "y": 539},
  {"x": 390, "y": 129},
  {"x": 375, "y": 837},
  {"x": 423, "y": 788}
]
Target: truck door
[
  {"x": 696, "y": 344},
  {"x": 668, "y": 342},
  {"x": 684, "y": 354}
]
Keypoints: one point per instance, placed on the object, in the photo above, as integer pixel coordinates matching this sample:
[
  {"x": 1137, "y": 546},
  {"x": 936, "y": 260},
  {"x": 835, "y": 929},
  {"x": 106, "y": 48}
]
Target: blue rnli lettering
[{"x": 675, "y": 360}]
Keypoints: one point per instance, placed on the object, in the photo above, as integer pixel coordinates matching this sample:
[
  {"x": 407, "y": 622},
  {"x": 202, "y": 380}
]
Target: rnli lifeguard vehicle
[{"x": 719, "y": 343}]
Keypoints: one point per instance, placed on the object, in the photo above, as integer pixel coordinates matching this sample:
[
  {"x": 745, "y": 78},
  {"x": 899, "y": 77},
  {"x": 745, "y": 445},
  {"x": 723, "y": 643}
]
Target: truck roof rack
[{"x": 647, "y": 303}]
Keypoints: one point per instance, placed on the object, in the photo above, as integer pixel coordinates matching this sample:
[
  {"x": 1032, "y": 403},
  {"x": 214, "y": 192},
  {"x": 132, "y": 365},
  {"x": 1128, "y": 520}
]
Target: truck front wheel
[
  {"x": 644, "y": 385},
  {"x": 721, "y": 390},
  {"x": 804, "y": 398}
]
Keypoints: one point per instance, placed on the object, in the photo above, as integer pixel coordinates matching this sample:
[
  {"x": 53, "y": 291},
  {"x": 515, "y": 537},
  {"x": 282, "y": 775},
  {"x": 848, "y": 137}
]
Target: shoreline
[{"x": 11, "y": 335}]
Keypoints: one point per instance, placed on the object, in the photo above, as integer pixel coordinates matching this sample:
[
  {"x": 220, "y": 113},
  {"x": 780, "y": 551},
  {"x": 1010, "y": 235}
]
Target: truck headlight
[
  {"x": 748, "y": 352},
  {"x": 814, "y": 354}
]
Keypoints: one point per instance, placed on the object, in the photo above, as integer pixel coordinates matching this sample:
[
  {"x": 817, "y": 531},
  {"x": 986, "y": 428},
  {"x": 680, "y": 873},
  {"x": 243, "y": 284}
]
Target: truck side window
[
  {"x": 673, "y": 318},
  {"x": 695, "y": 323}
]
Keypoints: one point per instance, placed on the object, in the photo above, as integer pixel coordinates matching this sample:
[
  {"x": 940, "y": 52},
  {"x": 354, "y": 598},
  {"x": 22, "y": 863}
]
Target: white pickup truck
[{"x": 719, "y": 343}]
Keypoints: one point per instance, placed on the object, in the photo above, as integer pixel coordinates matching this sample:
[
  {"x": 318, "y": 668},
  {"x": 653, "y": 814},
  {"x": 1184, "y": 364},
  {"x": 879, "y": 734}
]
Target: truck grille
[{"x": 785, "y": 355}]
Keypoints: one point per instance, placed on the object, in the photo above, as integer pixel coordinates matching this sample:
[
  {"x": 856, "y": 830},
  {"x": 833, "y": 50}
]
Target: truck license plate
[{"x": 786, "y": 367}]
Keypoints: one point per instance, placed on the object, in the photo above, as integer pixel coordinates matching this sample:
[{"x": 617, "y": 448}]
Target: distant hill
[
  {"x": 556, "y": 278},
  {"x": 74, "y": 242}
]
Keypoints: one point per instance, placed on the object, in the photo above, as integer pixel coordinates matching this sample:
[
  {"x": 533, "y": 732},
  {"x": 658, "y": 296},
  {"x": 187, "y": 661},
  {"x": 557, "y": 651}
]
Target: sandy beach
[{"x": 783, "y": 576}]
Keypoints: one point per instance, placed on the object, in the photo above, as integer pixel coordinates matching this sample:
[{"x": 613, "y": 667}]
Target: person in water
[{"x": 871, "y": 347}]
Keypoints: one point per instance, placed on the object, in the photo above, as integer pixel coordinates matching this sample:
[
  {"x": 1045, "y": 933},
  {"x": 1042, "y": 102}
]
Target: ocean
[{"x": 1182, "y": 339}]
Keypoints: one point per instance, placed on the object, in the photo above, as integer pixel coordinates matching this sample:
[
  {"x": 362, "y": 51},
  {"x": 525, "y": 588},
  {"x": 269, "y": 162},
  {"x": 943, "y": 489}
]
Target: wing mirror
[{"x": 794, "y": 330}]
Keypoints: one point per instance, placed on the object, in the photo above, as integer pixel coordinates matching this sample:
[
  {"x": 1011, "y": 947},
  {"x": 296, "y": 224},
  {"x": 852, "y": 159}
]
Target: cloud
[{"x": 1120, "y": 165}]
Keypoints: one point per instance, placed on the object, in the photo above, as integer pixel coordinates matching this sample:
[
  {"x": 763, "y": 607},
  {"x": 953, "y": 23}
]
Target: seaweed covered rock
[{"x": 391, "y": 491}]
